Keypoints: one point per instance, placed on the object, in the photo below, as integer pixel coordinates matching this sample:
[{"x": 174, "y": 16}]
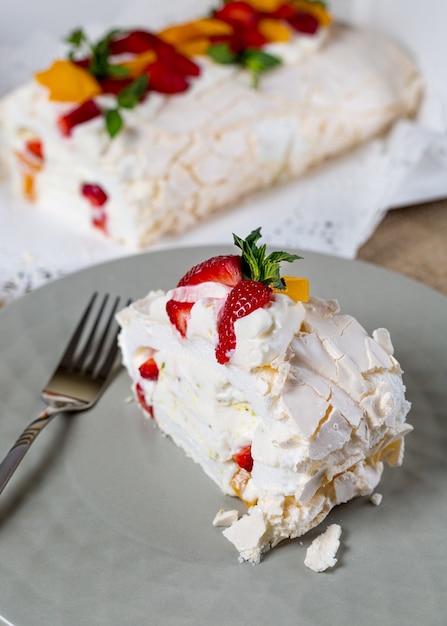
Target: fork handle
[{"x": 11, "y": 461}]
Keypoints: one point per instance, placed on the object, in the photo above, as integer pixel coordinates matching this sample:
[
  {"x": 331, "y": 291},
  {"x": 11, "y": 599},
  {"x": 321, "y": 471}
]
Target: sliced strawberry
[
  {"x": 244, "y": 459},
  {"x": 179, "y": 314},
  {"x": 248, "y": 38},
  {"x": 283, "y": 12},
  {"x": 134, "y": 42},
  {"x": 238, "y": 14},
  {"x": 88, "y": 110},
  {"x": 304, "y": 23},
  {"x": 95, "y": 194},
  {"x": 149, "y": 369},
  {"x": 243, "y": 299},
  {"x": 114, "y": 85},
  {"x": 164, "y": 78},
  {"x": 179, "y": 62},
  {"x": 142, "y": 400},
  {"x": 34, "y": 147},
  {"x": 225, "y": 269}
]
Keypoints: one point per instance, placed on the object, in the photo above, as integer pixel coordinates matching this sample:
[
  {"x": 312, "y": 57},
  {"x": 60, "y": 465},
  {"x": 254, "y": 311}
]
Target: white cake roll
[{"x": 181, "y": 157}]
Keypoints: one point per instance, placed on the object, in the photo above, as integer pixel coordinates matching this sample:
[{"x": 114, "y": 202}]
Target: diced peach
[
  {"x": 297, "y": 288},
  {"x": 67, "y": 82}
]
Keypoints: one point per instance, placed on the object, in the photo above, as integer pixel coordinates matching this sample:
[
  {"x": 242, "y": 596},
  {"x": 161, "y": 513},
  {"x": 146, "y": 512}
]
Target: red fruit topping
[
  {"x": 99, "y": 221},
  {"x": 304, "y": 23},
  {"x": 244, "y": 298},
  {"x": 225, "y": 269},
  {"x": 134, "y": 42},
  {"x": 84, "y": 63},
  {"x": 179, "y": 314},
  {"x": 142, "y": 400},
  {"x": 88, "y": 110},
  {"x": 244, "y": 459},
  {"x": 283, "y": 12},
  {"x": 114, "y": 85},
  {"x": 179, "y": 62},
  {"x": 149, "y": 370},
  {"x": 238, "y": 14},
  {"x": 251, "y": 38},
  {"x": 94, "y": 194},
  {"x": 34, "y": 147},
  {"x": 164, "y": 78}
]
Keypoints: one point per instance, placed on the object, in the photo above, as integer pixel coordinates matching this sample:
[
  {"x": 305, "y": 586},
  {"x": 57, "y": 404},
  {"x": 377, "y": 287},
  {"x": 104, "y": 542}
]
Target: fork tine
[
  {"x": 81, "y": 359},
  {"x": 89, "y": 370},
  {"x": 66, "y": 359},
  {"x": 109, "y": 359}
]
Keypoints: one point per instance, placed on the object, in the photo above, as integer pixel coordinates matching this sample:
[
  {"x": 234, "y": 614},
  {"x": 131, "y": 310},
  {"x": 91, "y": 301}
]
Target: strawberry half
[
  {"x": 225, "y": 269},
  {"x": 179, "y": 314},
  {"x": 243, "y": 299},
  {"x": 149, "y": 370},
  {"x": 244, "y": 459}
]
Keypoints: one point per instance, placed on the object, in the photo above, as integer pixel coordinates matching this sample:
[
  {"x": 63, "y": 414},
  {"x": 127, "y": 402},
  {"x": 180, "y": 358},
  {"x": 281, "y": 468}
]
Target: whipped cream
[{"x": 321, "y": 403}]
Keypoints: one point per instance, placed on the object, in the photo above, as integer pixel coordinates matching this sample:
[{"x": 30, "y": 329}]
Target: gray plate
[{"x": 107, "y": 522}]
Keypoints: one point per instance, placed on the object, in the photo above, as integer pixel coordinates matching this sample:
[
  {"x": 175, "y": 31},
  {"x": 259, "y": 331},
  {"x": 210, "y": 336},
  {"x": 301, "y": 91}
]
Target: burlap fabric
[{"x": 412, "y": 241}]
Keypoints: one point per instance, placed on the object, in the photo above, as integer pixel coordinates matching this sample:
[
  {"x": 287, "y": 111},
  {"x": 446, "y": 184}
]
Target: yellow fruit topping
[
  {"x": 297, "y": 288},
  {"x": 138, "y": 64},
  {"x": 267, "y": 6},
  {"x": 67, "y": 82},
  {"x": 317, "y": 10},
  {"x": 274, "y": 30},
  {"x": 192, "y": 37}
]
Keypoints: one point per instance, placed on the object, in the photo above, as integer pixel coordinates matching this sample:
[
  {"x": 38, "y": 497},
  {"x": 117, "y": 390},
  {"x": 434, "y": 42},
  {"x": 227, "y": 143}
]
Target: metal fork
[{"x": 79, "y": 379}]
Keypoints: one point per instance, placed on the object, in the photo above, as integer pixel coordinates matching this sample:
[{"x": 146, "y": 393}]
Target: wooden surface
[{"x": 413, "y": 242}]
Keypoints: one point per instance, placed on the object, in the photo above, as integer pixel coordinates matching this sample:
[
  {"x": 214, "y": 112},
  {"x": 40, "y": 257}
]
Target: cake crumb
[
  {"x": 321, "y": 553},
  {"x": 376, "y": 499},
  {"x": 225, "y": 518}
]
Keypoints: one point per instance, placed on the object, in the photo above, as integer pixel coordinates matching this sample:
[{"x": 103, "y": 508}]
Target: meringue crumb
[
  {"x": 376, "y": 499},
  {"x": 225, "y": 518},
  {"x": 321, "y": 553}
]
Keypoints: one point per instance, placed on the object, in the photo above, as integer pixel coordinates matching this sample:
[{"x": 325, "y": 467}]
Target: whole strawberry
[{"x": 244, "y": 298}]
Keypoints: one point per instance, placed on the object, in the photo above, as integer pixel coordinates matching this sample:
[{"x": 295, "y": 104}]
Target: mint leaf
[
  {"x": 222, "y": 53},
  {"x": 114, "y": 122},
  {"x": 130, "y": 95},
  {"x": 76, "y": 38},
  {"x": 257, "y": 61},
  {"x": 256, "y": 266}
]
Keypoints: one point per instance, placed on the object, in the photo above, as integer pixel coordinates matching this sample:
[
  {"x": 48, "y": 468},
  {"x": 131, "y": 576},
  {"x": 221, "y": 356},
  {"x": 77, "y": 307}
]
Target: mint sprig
[
  {"x": 255, "y": 60},
  {"x": 256, "y": 266},
  {"x": 98, "y": 53},
  {"x": 127, "y": 98}
]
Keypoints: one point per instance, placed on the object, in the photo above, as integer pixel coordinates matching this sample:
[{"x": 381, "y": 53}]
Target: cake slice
[
  {"x": 141, "y": 134},
  {"x": 284, "y": 402}
]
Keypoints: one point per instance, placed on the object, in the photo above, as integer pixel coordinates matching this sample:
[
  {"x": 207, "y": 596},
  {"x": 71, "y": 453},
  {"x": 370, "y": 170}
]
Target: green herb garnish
[
  {"x": 256, "y": 266},
  {"x": 98, "y": 53},
  {"x": 256, "y": 61},
  {"x": 127, "y": 98}
]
